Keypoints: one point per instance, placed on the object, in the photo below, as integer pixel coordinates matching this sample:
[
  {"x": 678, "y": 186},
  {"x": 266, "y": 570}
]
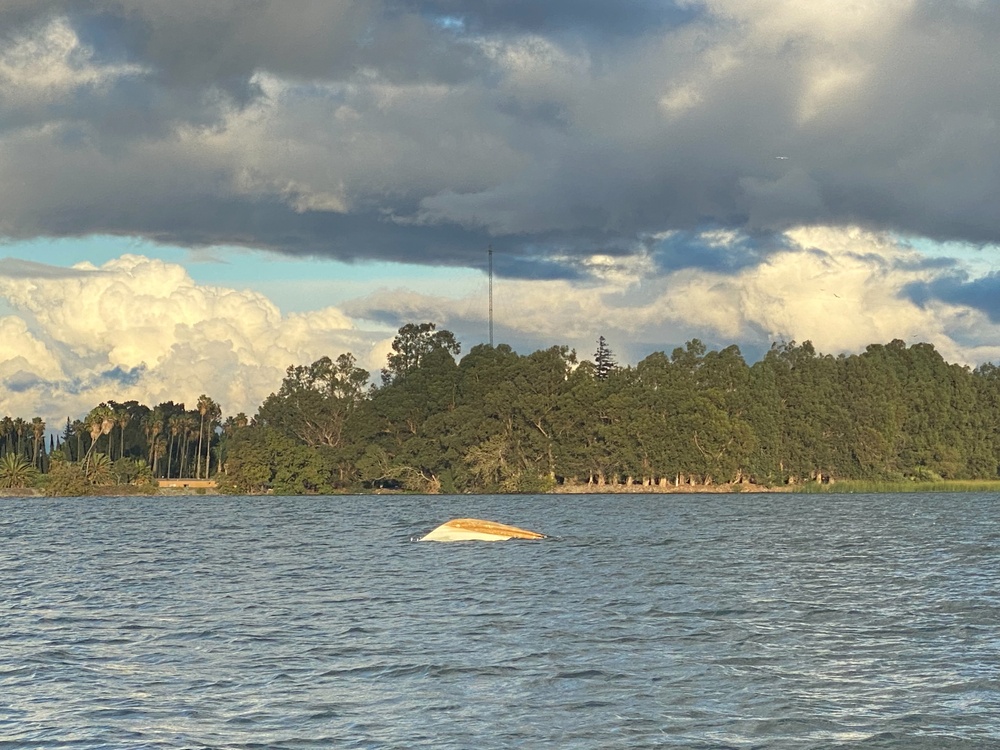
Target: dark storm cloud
[
  {"x": 205, "y": 220},
  {"x": 958, "y": 289},
  {"x": 516, "y": 262},
  {"x": 423, "y": 130},
  {"x": 192, "y": 44},
  {"x": 711, "y": 253}
]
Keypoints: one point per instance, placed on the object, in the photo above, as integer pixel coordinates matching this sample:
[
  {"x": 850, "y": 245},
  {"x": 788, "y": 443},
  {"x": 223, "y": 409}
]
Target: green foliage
[
  {"x": 68, "y": 479},
  {"x": 264, "y": 460},
  {"x": 499, "y": 421},
  {"x": 604, "y": 360},
  {"x": 379, "y": 470},
  {"x": 16, "y": 472},
  {"x": 131, "y": 471},
  {"x": 98, "y": 469},
  {"x": 411, "y": 347},
  {"x": 316, "y": 405}
]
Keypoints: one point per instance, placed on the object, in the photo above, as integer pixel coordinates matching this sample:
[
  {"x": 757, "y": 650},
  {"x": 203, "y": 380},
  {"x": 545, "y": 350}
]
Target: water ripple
[{"x": 650, "y": 621}]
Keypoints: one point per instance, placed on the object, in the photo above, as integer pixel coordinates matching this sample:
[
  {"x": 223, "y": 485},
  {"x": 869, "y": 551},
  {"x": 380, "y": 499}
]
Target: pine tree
[{"x": 604, "y": 360}]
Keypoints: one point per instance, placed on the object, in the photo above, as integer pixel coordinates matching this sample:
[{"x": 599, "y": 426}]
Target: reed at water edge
[{"x": 901, "y": 485}]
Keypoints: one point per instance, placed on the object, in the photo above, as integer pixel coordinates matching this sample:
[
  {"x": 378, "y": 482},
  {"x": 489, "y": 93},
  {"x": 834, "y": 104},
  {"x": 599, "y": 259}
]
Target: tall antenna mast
[{"x": 490, "y": 251}]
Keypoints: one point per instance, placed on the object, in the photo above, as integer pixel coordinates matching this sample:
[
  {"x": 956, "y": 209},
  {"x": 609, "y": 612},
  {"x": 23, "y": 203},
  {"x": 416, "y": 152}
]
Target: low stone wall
[{"x": 186, "y": 484}]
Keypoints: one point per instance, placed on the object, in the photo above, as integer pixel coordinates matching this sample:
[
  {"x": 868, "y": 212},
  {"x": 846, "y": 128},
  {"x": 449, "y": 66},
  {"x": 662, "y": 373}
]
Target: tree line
[
  {"x": 115, "y": 444},
  {"x": 499, "y": 421}
]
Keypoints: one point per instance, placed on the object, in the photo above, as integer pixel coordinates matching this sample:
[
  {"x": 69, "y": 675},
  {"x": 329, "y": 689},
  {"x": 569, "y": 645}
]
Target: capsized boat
[{"x": 475, "y": 529}]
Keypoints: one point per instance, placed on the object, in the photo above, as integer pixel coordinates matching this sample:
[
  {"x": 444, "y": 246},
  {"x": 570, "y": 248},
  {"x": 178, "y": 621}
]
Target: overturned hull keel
[{"x": 474, "y": 529}]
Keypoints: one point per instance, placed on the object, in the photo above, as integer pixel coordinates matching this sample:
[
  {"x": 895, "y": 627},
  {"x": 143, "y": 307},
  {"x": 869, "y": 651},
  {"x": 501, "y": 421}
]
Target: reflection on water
[{"x": 721, "y": 621}]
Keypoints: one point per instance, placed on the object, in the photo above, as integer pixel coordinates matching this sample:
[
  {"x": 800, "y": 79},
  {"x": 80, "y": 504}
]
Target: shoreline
[
  {"x": 843, "y": 486},
  {"x": 563, "y": 489},
  {"x": 648, "y": 489}
]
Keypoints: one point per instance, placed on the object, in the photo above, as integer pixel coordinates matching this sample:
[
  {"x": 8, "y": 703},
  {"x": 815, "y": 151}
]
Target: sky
[{"x": 195, "y": 196}]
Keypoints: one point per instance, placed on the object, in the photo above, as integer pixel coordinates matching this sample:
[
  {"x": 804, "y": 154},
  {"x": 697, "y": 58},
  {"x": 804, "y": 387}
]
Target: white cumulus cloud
[
  {"x": 840, "y": 288},
  {"x": 140, "y": 328}
]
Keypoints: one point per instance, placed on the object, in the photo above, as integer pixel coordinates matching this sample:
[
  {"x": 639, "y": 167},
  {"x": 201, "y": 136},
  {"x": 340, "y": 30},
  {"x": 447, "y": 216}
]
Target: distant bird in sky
[{"x": 780, "y": 157}]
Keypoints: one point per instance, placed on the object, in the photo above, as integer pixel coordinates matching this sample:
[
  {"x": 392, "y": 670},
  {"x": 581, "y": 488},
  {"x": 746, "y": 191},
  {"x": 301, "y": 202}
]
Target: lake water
[{"x": 650, "y": 621}]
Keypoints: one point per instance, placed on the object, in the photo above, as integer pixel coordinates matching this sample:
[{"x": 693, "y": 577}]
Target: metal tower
[{"x": 490, "y": 251}]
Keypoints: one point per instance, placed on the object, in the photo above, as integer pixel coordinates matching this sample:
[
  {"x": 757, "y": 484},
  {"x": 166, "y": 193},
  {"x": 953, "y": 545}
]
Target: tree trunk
[{"x": 201, "y": 429}]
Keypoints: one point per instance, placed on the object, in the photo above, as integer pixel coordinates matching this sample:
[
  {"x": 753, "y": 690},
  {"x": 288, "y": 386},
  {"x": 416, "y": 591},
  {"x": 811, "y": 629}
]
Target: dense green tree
[
  {"x": 315, "y": 401},
  {"x": 764, "y": 415},
  {"x": 538, "y": 383},
  {"x": 412, "y": 345},
  {"x": 67, "y": 478},
  {"x": 876, "y": 410},
  {"x": 580, "y": 450},
  {"x": 726, "y": 439},
  {"x": 501, "y": 421},
  {"x": 263, "y": 460},
  {"x": 396, "y": 417},
  {"x": 813, "y": 418},
  {"x": 986, "y": 461}
]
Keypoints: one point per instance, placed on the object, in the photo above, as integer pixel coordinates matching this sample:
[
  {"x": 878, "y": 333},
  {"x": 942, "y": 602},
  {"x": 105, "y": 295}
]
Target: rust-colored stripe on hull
[{"x": 492, "y": 527}]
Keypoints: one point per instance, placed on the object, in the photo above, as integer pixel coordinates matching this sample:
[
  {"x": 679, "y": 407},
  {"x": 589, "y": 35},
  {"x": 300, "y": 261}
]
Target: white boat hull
[{"x": 476, "y": 530}]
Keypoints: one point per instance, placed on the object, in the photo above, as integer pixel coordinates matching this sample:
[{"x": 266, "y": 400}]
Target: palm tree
[
  {"x": 79, "y": 429},
  {"x": 20, "y": 427},
  {"x": 214, "y": 415},
  {"x": 174, "y": 428},
  {"x": 143, "y": 474},
  {"x": 123, "y": 417},
  {"x": 38, "y": 432},
  {"x": 152, "y": 423},
  {"x": 233, "y": 424},
  {"x": 100, "y": 421},
  {"x": 113, "y": 416},
  {"x": 204, "y": 405},
  {"x": 158, "y": 449},
  {"x": 185, "y": 430},
  {"x": 6, "y": 428},
  {"x": 16, "y": 472},
  {"x": 94, "y": 422},
  {"x": 190, "y": 432}
]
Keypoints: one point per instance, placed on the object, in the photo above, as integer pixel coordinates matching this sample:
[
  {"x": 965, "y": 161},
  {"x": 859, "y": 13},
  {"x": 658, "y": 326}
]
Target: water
[{"x": 696, "y": 621}]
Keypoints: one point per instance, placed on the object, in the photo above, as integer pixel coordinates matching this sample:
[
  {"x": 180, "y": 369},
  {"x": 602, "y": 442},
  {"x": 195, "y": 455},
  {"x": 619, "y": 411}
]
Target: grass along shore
[{"x": 904, "y": 485}]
